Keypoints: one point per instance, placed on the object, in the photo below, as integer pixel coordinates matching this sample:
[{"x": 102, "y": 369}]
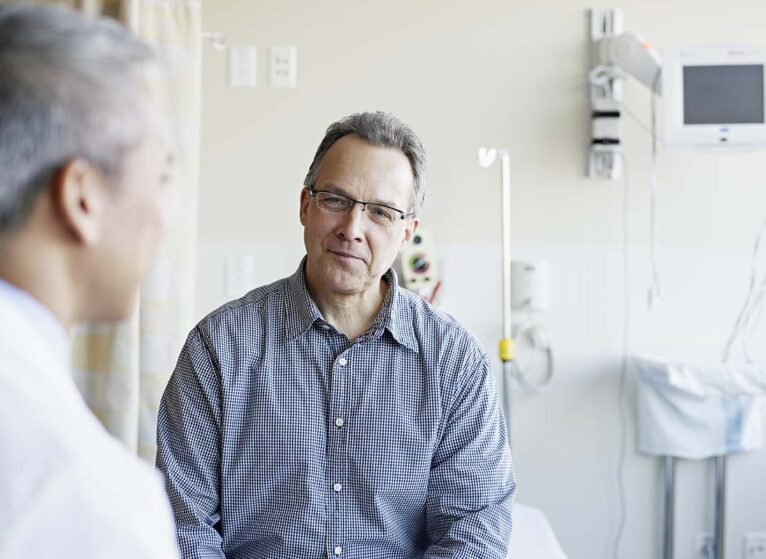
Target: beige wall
[{"x": 511, "y": 73}]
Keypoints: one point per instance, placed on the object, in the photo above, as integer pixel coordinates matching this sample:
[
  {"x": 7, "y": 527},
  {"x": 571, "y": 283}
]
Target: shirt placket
[{"x": 336, "y": 467}]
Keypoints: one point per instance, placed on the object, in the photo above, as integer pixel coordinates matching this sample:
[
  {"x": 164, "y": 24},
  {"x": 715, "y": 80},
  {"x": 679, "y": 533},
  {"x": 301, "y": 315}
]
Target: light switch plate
[{"x": 243, "y": 66}]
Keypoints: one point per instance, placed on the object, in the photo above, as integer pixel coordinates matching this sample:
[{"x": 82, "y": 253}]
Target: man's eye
[
  {"x": 334, "y": 201},
  {"x": 382, "y": 213}
]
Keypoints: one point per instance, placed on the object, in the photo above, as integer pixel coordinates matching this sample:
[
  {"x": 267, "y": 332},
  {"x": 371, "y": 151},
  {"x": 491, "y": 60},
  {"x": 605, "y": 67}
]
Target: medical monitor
[{"x": 713, "y": 97}]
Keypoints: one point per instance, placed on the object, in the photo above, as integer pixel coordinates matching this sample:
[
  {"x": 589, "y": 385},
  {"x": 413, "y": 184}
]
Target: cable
[
  {"x": 600, "y": 76},
  {"x": 752, "y": 308},
  {"x": 751, "y": 330},
  {"x": 655, "y": 291},
  {"x": 745, "y": 323},
  {"x": 645, "y": 127},
  {"x": 538, "y": 339},
  {"x": 623, "y": 366}
]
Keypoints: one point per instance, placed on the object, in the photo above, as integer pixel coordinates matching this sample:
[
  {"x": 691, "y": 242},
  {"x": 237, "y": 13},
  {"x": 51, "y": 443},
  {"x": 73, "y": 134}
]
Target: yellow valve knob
[{"x": 507, "y": 349}]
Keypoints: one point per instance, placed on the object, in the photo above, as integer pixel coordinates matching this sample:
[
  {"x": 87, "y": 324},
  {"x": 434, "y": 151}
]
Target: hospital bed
[{"x": 532, "y": 536}]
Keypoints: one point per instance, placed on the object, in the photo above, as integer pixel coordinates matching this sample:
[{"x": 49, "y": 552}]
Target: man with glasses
[{"x": 333, "y": 413}]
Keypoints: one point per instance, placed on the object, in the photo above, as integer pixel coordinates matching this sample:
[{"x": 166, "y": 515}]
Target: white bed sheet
[{"x": 532, "y": 536}]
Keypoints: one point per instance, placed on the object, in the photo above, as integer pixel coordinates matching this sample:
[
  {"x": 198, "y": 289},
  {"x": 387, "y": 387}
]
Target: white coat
[{"x": 67, "y": 488}]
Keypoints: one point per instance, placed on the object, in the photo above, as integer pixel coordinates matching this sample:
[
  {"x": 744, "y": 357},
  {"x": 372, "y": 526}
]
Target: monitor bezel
[{"x": 676, "y": 134}]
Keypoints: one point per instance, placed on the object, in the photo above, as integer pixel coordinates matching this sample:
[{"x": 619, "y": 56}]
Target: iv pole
[{"x": 506, "y": 345}]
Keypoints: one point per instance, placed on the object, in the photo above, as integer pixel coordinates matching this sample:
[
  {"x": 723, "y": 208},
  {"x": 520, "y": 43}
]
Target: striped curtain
[{"x": 122, "y": 370}]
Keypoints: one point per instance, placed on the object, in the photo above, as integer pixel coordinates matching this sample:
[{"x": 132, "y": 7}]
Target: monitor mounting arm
[{"x": 614, "y": 55}]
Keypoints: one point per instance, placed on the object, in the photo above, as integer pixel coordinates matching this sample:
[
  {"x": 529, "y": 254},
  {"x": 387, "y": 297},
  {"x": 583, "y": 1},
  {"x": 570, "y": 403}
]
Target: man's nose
[{"x": 351, "y": 226}]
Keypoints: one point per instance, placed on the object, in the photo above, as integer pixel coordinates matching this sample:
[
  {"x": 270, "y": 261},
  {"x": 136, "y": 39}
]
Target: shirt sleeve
[
  {"x": 189, "y": 448},
  {"x": 472, "y": 483}
]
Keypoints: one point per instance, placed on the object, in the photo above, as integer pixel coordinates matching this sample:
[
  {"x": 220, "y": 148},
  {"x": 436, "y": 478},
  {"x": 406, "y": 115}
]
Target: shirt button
[
  {"x": 325, "y": 327},
  {"x": 339, "y": 422},
  {"x": 342, "y": 361},
  {"x": 338, "y": 550},
  {"x": 337, "y": 487}
]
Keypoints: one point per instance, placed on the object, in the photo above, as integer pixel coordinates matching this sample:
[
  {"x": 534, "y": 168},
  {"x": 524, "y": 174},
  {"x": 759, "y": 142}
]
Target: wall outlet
[
  {"x": 705, "y": 546},
  {"x": 755, "y": 545},
  {"x": 284, "y": 66}
]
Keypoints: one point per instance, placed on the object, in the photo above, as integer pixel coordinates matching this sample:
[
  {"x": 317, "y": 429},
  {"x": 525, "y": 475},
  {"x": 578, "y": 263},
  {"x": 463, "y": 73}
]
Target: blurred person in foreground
[{"x": 83, "y": 155}]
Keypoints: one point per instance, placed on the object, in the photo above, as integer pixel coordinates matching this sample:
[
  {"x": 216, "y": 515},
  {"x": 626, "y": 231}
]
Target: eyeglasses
[{"x": 335, "y": 203}]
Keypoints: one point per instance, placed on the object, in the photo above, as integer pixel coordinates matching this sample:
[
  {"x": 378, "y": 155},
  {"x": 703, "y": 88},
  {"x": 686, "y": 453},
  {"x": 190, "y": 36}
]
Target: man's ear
[
  {"x": 305, "y": 200},
  {"x": 409, "y": 233},
  {"x": 78, "y": 198}
]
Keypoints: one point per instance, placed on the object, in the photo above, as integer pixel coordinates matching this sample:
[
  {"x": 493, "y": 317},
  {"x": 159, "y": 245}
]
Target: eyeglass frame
[{"x": 313, "y": 192}]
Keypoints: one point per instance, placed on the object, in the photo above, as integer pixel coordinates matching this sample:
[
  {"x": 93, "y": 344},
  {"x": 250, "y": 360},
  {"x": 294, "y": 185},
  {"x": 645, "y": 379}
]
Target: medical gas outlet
[{"x": 419, "y": 269}]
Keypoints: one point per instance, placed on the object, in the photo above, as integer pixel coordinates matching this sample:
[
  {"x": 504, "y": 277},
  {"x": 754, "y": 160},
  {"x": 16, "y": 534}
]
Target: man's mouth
[{"x": 346, "y": 254}]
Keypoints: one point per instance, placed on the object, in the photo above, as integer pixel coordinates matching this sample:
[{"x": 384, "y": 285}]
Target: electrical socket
[
  {"x": 705, "y": 547},
  {"x": 284, "y": 66},
  {"x": 755, "y": 545}
]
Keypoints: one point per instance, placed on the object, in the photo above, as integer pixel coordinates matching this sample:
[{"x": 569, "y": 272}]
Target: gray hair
[
  {"x": 69, "y": 89},
  {"x": 380, "y": 129}
]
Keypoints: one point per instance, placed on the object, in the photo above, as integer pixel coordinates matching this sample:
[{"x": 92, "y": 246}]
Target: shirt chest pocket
[{"x": 392, "y": 439}]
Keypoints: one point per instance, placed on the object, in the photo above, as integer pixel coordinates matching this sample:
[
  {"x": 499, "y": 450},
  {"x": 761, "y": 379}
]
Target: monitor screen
[{"x": 724, "y": 94}]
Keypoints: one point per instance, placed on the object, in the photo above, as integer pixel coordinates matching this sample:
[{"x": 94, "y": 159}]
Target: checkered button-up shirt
[{"x": 279, "y": 438}]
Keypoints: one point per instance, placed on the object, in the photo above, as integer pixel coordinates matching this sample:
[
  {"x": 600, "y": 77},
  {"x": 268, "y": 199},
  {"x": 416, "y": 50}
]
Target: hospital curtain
[{"x": 122, "y": 370}]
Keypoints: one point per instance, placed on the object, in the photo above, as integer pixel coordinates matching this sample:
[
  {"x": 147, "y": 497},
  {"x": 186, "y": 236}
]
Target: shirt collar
[
  {"x": 43, "y": 320},
  {"x": 400, "y": 320},
  {"x": 394, "y": 314},
  {"x": 302, "y": 312}
]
